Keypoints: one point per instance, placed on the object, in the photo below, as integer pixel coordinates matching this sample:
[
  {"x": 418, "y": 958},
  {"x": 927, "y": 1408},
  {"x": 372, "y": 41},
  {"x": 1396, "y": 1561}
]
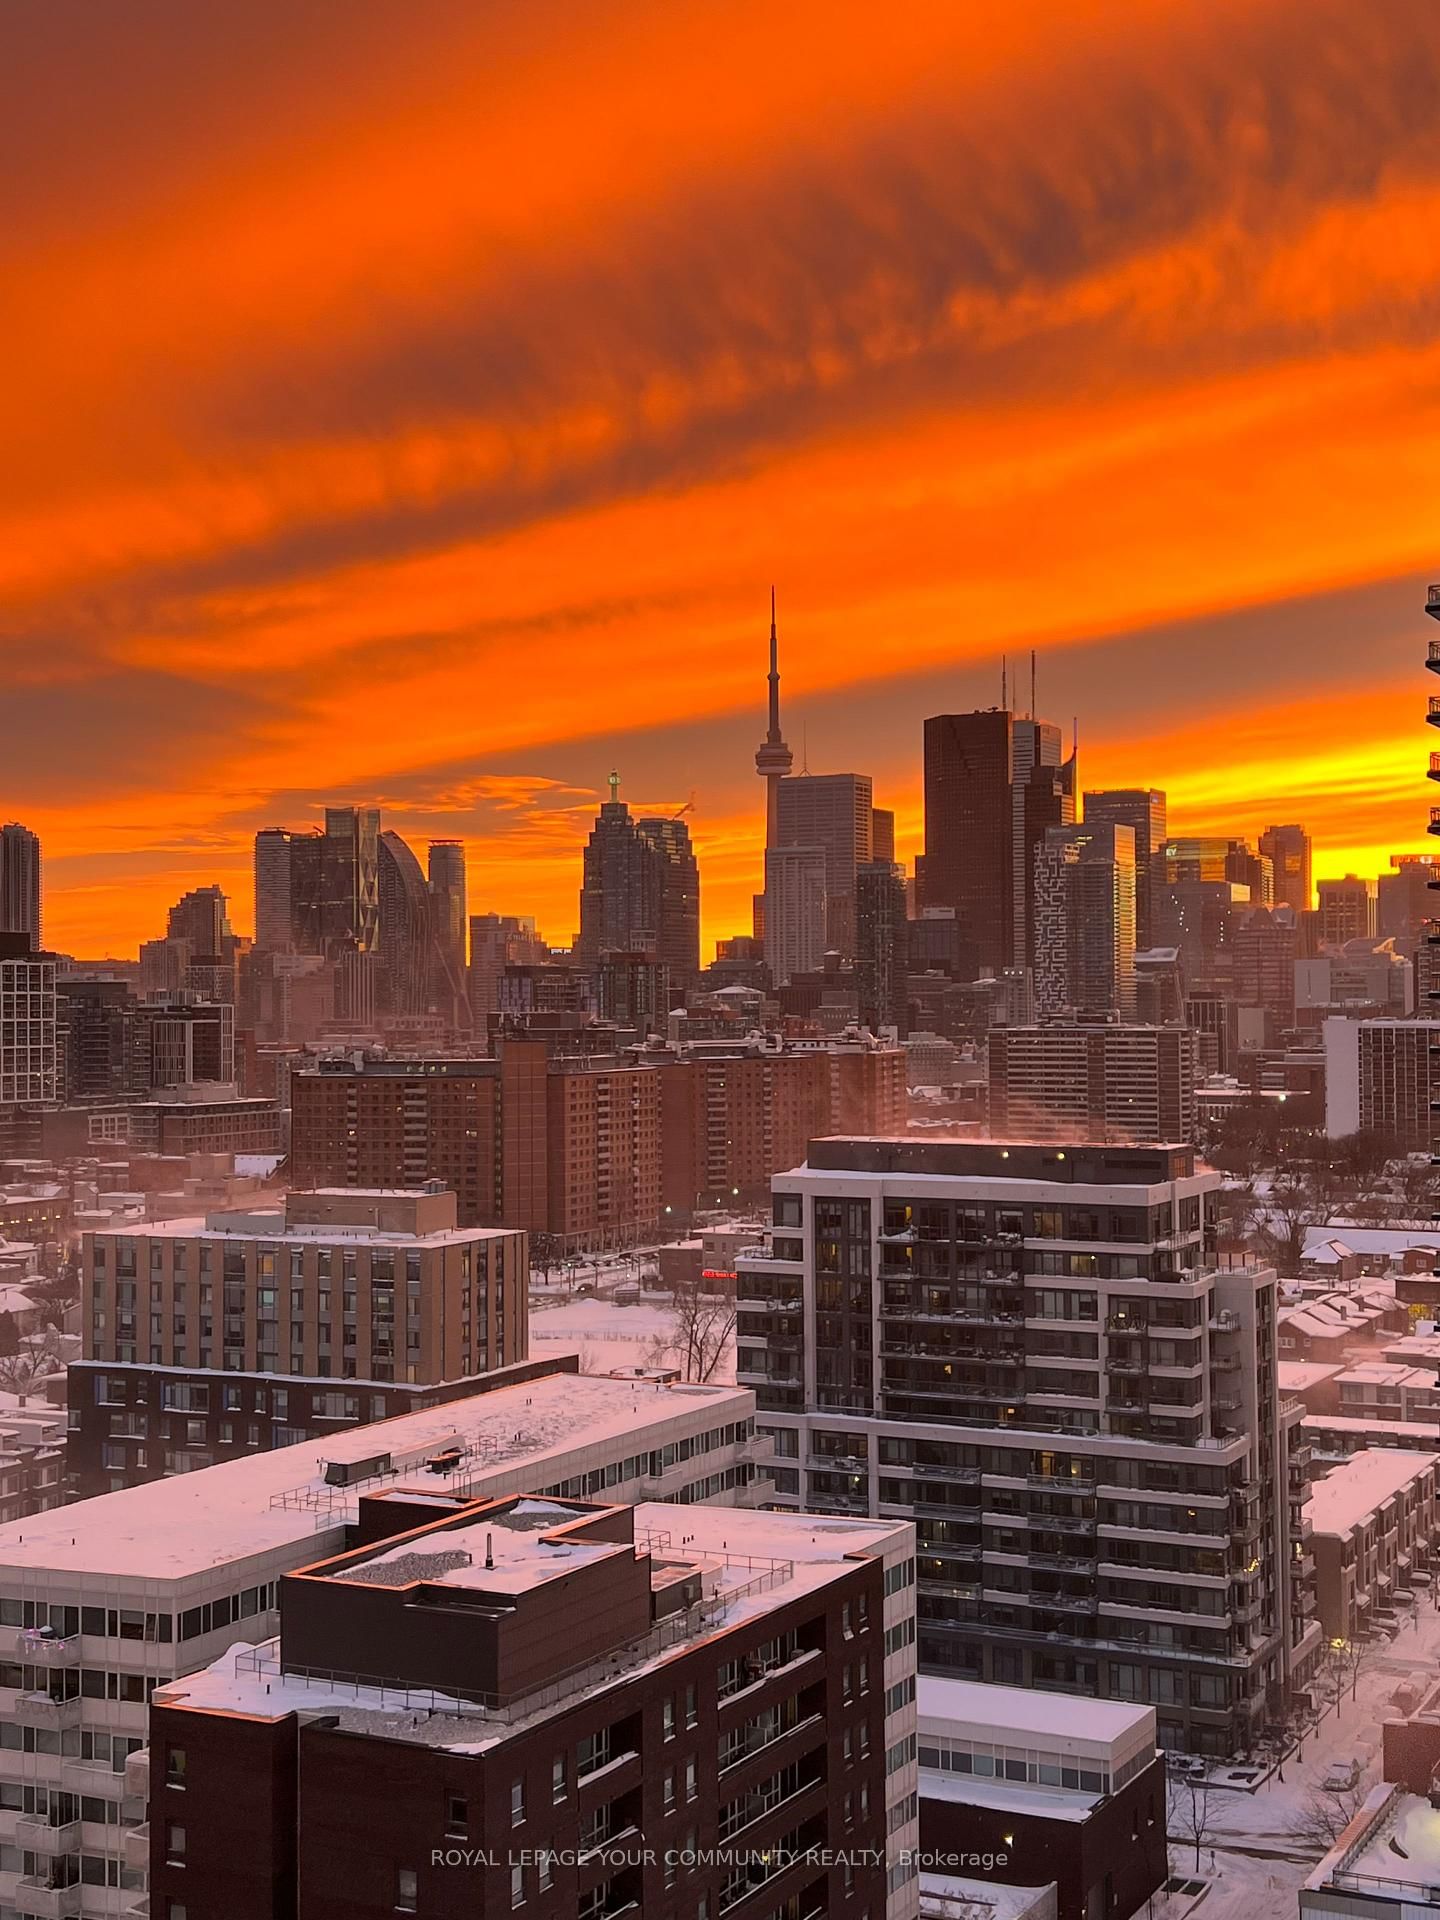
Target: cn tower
[{"x": 773, "y": 759}]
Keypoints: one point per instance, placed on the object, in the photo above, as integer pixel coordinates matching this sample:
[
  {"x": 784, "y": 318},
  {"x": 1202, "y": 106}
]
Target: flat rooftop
[
  {"x": 273, "y": 1230},
  {"x": 1021, "y": 1710},
  {"x": 1028, "y": 1160},
  {"x": 510, "y": 1552},
  {"x": 751, "y": 1564},
  {"x": 1351, "y": 1492},
  {"x": 527, "y": 1435},
  {"x": 1396, "y": 1851}
]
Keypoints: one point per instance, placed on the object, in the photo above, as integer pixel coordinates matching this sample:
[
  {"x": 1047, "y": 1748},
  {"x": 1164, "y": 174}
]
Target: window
[
  {"x": 546, "y": 1865},
  {"x": 457, "y": 1813},
  {"x": 175, "y": 1767},
  {"x": 668, "y": 1793},
  {"x": 692, "y": 1705},
  {"x": 517, "y": 1886},
  {"x": 692, "y": 1778},
  {"x": 407, "y": 1889},
  {"x": 174, "y": 1844},
  {"x": 557, "y": 1780},
  {"x": 174, "y": 1910},
  {"x": 668, "y": 1715},
  {"x": 517, "y": 1802}
]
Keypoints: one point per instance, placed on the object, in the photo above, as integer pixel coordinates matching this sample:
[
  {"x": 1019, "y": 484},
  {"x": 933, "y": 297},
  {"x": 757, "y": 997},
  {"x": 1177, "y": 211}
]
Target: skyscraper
[
  {"x": 1085, "y": 921},
  {"x": 1143, "y": 810},
  {"x": 448, "y": 923},
  {"x": 882, "y": 834},
  {"x": 794, "y": 911},
  {"x": 994, "y": 786},
  {"x": 640, "y": 891},
  {"x": 20, "y": 882},
  {"x": 677, "y": 926},
  {"x": 969, "y": 858},
  {"x": 273, "y": 930},
  {"x": 881, "y": 947},
  {"x": 831, "y": 811},
  {"x": 1288, "y": 851},
  {"x": 1346, "y": 909},
  {"x": 350, "y": 880},
  {"x": 407, "y": 935}
]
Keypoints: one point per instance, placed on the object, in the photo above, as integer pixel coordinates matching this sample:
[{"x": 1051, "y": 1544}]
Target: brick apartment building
[
  {"x": 589, "y": 1151},
  {"x": 555, "y": 1707}
]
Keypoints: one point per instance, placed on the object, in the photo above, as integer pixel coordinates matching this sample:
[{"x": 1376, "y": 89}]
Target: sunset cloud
[{"x": 421, "y": 416}]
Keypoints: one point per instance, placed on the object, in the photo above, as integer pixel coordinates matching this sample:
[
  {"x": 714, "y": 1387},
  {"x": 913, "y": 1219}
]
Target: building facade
[
  {"x": 1145, "y": 811},
  {"x": 1084, "y": 922},
  {"x": 160, "y": 1580},
  {"x": 20, "y": 882},
  {"x": 344, "y": 1284},
  {"x": 29, "y": 1057},
  {"x": 1031, "y": 1352},
  {"x": 632, "y": 1721},
  {"x": 1103, "y": 1082},
  {"x": 832, "y": 811}
]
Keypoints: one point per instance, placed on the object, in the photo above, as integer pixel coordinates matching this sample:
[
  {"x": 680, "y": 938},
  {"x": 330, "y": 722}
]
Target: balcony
[
  {"x": 36, "y": 1834},
  {"x": 38, "y": 1709},
  {"x": 1432, "y": 602},
  {"x": 1225, "y": 1322},
  {"x": 1432, "y": 711},
  {"x": 1434, "y": 768},
  {"x": 47, "y": 1649},
  {"x": 1434, "y": 826},
  {"x": 135, "y": 1846},
  {"x": 46, "y": 1902}
]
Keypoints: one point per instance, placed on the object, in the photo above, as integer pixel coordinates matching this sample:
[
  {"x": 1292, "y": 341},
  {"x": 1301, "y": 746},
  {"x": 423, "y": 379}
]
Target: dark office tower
[
  {"x": 831, "y": 811},
  {"x": 677, "y": 884},
  {"x": 1347, "y": 910},
  {"x": 20, "y": 882},
  {"x": 273, "y": 928},
  {"x": 882, "y": 835},
  {"x": 1085, "y": 921},
  {"x": 969, "y": 858},
  {"x": 882, "y": 948},
  {"x": 1143, "y": 810},
  {"x": 1288, "y": 851},
  {"x": 307, "y": 861},
  {"x": 615, "y": 901},
  {"x": 350, "y": 880},
  {"x": 406, "y": 936}
]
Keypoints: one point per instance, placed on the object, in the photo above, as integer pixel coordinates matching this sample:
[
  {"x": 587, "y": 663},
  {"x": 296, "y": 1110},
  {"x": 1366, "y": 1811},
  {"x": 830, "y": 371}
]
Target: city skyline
[{"x": 473, "y": 489}]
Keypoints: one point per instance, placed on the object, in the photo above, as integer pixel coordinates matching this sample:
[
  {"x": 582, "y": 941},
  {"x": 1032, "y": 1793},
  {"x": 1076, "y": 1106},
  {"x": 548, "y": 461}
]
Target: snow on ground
[
  {"x": 1259, "y": 1861},
  {"x": 607, "y": 1335}
]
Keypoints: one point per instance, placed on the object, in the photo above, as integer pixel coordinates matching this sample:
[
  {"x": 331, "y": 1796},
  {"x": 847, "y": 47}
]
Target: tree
[
  {"x": 1286, "y": 1214},
  {"x": 1348, "y": 1660},
  {"x": 1324, "y": 1814},
  {"x": 36, "y": 1359},
  {"x": 1191, "y": 1817},
  {"x": 9, "y": 1335},
  {"x": 704, "y": 1325}
]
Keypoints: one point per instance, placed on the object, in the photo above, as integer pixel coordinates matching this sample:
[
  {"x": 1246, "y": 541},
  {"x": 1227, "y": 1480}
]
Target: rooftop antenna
[
  {"x": 804, "y": 746},
  {"x": 1033, "y": 708},
  {"x": 1004, "y": 683},
  {"x": 489, "y": 1549},
  {"x": 614, "y": 788}
]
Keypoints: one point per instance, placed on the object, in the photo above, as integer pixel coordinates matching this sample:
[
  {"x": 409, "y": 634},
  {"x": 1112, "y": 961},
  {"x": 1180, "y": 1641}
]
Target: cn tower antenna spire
[{"x": 774, "y": 759}]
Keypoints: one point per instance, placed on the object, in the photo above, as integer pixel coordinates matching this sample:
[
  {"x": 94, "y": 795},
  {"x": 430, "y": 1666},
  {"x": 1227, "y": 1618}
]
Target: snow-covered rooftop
[
  {"x": 193, "y": 1522},
  {"x": 1297, "y": 1376},
  {"x": 1351, "y": 1492},
  {"x": 1021, "y": 1711}
]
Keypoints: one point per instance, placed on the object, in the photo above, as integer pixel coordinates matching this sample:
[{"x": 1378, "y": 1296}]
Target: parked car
[{"x": 1341, "y": 1776}]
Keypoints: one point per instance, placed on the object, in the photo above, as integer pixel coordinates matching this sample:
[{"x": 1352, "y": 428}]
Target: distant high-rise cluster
[{"x": 20, "y": 896}]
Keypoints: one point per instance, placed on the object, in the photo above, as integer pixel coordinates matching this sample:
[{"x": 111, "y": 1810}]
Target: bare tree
[
  {"x": 703, "y": 1327},
  {"x": 1286, "y": 1214},
  {"x": 1324, "y": 1814},
  {"x": 1190, "y": 1815},
  {"x": 36, "y": 1359},
  {"x": 1348, "y": 1660}
]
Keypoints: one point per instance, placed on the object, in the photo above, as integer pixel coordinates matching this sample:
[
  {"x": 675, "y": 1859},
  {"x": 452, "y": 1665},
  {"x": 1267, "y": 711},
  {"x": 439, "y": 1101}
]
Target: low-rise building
[
  {"x": 1065, "y": 1791},
  {"x": 552, "y": 1705},
  {"x": 32, "y": 1455},
  {"x": 1373, "y": 1521}
]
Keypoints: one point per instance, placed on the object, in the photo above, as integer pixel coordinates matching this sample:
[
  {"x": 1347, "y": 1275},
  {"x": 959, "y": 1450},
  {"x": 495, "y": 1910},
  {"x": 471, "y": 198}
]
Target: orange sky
[{"x": 415, "y": 405}]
